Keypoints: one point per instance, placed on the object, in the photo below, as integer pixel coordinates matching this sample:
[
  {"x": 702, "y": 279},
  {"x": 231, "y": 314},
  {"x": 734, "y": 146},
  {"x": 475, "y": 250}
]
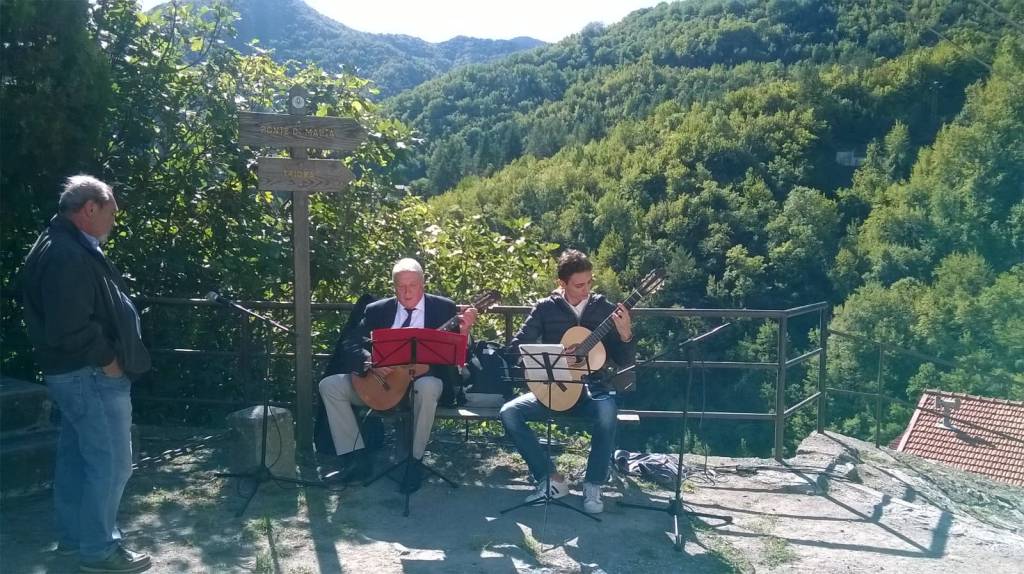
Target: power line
[
  {"x": 1006, "y": 17},
  {"x": 959, "y": 48}
]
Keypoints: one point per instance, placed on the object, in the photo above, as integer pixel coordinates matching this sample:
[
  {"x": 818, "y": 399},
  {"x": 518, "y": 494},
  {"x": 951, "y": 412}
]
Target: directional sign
[
  {"x": 301, "y": 176},
  {"x": 281, "y": 131},
  {"x": 285, "y": 174}
]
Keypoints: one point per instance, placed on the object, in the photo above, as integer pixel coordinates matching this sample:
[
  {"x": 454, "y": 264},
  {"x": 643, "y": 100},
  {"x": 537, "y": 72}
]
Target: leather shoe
[
  {"x": 357, "y": 467},
  {"x": 122, "y": 561},
  {"x": 66, "y": 549}
]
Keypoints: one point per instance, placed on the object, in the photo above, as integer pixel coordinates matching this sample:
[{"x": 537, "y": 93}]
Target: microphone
[{"x": 215, "y": 297}]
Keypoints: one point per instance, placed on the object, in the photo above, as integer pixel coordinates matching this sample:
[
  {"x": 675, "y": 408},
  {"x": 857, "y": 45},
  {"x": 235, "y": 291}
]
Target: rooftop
[{"x": 983, "y": 435}]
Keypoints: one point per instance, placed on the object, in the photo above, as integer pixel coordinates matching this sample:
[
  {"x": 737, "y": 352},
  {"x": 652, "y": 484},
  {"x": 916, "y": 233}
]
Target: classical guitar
[
  {"x": 589, "y": 355},
  {"x": 381, "y": 393}
]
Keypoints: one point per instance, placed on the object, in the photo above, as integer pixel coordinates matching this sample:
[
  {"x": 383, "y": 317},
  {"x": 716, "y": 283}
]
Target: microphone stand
[
  {"x": 261, "y": 473},
  {"x": 674, "y": 507}
]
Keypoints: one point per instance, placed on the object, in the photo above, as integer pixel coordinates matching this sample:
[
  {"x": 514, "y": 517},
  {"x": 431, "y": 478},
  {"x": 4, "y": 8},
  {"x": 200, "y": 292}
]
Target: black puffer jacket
[
  {"x": 552, "y": 316},
  {"x": 76, "y": 307}
]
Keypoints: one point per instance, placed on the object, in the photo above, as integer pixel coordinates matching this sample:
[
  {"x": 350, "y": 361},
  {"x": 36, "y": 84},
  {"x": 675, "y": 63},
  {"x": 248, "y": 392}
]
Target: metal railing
[
  {"x": 245, "y": 355},
  {"x": 879, "y": 397}
]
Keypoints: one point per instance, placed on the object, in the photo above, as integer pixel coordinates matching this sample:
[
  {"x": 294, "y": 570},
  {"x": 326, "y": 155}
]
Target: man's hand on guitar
[
  {"x": 467, "y": 318},
  {"x": 571, "y": 359},
  {"x": 379, "y": 371},
  {"x": 623, "y": 322}
]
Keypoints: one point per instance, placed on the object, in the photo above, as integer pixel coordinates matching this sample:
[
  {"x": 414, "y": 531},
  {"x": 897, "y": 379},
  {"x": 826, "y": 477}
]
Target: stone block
[
  {"x": 247, "y": 426},
  {"x": 23, "y": 405},
  {"x": 26, "y": 462}
]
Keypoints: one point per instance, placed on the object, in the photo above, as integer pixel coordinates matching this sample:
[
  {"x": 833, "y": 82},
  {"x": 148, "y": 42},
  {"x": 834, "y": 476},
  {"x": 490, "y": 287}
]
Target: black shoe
[
  {"x": 66, "y": 549},
  {"x": 357, "y": 466},
  {"x": 121, "y": 561},
  {"x": 413, "y": 478}
]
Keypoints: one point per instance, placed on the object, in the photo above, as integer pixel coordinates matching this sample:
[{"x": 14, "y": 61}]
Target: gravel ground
[{"x": 840, "y": 505}]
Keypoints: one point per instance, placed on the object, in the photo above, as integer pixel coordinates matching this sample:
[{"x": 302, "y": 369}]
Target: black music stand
[
  {"x": 675, "y": 506},
  {"x": 262, "y": 473},
  {"x": 409, "y": 347},
  {"x": 544, "y": 359}
]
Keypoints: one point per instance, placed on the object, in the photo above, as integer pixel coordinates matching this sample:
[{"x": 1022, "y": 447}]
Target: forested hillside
[
  {"x": 394, "y": 62},
  {"x": 770, "y": 155}
]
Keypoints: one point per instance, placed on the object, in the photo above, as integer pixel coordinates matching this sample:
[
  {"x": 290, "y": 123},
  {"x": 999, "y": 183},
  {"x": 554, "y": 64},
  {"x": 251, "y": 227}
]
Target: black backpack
[{"x": 488, "y": 370}]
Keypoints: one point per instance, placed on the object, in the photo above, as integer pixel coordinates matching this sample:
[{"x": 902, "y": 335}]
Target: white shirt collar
[
  {"x": 579, "y": 308},
  {"x": 94, "y": 242},
  {"x": 418, "y": 316}
]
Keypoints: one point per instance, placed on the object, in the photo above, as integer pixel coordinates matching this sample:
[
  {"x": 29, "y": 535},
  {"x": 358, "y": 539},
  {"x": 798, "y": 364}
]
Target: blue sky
[{"x": 439, "y": 20}]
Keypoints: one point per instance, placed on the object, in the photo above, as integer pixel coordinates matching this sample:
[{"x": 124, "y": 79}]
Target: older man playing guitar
[{"x": 410, "y": 307}]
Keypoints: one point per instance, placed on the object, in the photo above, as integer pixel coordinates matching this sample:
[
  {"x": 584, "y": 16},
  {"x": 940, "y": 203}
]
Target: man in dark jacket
[
  {"x": 410, "y": 307},
  {"x": 85, "y": 333},
  {"x": 571, "y": 305}
]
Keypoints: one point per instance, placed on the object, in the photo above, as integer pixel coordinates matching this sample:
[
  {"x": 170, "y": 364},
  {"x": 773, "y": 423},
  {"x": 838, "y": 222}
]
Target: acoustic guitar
[
  {"x": 382, "y": 393},
  {"x": 589, "y": 355}
]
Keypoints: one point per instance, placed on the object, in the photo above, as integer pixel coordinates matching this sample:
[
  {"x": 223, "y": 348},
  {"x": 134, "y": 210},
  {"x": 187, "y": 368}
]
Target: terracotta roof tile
[{"x": 987, "y": 435}]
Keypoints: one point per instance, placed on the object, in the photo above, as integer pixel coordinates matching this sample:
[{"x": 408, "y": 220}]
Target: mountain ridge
[{"x": 394, "y": 62}]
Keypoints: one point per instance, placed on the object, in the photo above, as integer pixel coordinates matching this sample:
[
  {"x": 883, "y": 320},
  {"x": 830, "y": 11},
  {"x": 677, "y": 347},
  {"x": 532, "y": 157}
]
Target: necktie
[{"x": 408, "y": 317}]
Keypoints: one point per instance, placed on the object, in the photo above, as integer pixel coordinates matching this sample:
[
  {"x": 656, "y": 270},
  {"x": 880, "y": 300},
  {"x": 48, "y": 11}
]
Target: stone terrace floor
[{"x": 840, "y": 506}]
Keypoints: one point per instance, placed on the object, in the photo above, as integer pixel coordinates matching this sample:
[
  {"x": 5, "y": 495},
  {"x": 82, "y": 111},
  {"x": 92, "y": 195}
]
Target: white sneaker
[
  {"x": 592, "y": 498},
  {"x": 549, "y": 488}
]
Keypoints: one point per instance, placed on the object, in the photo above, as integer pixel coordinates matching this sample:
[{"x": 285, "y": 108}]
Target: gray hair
[
  {"x": 79, "y": 190},
  {"x": 407, "y": 264}
]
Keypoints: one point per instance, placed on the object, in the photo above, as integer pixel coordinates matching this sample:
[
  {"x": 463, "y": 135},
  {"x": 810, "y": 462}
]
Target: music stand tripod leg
[
  {"x": 409, "y": 461},
  {"x": 547, "y": 500}
]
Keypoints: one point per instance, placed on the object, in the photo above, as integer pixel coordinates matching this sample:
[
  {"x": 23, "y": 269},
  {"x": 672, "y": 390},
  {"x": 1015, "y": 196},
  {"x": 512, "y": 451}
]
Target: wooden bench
[{"x": 468, "y": 414}]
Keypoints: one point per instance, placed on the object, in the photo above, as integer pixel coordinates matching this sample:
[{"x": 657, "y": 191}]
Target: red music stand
[
  {"x": 406, "y": 346},
  {"x": 412, "y": 346}
]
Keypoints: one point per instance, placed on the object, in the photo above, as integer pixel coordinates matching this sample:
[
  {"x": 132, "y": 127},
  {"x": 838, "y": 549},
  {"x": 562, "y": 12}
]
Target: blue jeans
[
  {"x": 601, "y": 410},
  {"x": 94, "y": 458}
]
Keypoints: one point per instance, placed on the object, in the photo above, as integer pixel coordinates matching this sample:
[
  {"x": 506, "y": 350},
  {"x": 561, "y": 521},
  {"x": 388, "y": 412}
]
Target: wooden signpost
[{"x": 301, "y": 176}]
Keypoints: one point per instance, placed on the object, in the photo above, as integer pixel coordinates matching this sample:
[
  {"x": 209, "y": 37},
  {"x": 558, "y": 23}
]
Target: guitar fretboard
[
  {"x": 605, "y": 327},
  {"x": 481, "y": 304}
]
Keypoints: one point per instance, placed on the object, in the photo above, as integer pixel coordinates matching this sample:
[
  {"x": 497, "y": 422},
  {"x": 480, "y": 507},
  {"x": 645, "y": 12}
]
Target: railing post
[
  {"x": 822, "y": 370},
  {"x": 245, "y": 356},
  {"x": 780, "y": 391},
  {"x": 878, "y": 395},
  {"x": 508, "y": 326}
]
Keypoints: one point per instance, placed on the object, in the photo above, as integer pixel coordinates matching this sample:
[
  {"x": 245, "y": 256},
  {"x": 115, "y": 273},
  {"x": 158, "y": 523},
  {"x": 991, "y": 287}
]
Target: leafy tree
[{"x": 192, "y": 217}]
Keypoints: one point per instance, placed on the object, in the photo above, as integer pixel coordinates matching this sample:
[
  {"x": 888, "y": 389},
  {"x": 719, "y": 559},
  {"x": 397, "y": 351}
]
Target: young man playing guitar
[
  {"x": 572, "y": 305},
  {"x": 410, "y": 307}
]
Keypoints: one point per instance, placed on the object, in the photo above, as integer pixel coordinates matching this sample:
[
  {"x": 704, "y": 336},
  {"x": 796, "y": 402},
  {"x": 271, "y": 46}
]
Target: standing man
[
  {"x": 410, "y": 307},
  {"x": 570, "y": 305},
  {"x": 87, "y": 340}
]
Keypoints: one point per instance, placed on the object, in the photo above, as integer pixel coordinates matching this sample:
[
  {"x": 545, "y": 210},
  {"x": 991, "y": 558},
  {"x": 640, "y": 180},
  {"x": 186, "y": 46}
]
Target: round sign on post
[{"x": 297, "y": 98}]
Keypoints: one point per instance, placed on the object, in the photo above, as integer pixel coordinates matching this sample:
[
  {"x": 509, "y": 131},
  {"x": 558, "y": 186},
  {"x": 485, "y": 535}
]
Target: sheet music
[{"x": 533, "y": 362}]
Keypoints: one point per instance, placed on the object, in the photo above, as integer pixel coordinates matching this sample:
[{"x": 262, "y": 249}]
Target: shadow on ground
[{"x": 779, "y": 518}]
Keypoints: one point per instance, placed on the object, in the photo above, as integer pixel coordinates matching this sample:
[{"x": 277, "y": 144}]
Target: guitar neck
[
  {"x": 480, "y": 305},
  {"x": 605, "y": 327},
  {"x": 450, "y": 325}
]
